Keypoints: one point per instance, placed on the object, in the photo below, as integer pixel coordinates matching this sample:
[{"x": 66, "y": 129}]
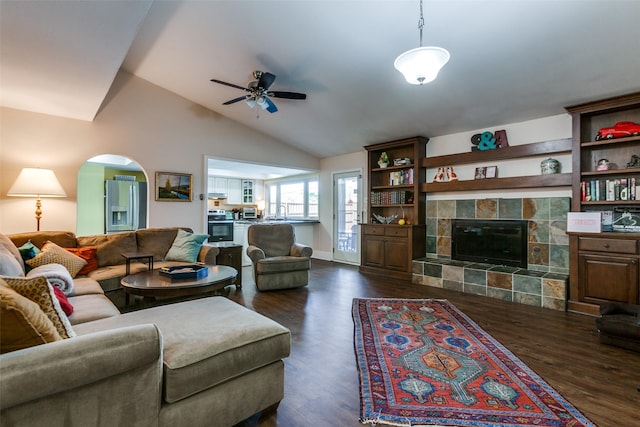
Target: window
[{"x": 293, "y": 198}]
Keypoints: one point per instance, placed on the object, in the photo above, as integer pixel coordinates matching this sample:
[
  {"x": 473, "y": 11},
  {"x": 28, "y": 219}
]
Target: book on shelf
[
  {"x": 619, "y": 189},
  {"x": 394, "y": 197},
  {"x": 401, "y": 177}
]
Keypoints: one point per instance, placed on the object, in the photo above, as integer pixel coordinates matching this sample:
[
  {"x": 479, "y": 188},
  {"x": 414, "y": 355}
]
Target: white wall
[
  {"x": 156, "y": 128},
  {"x": 539, "y": 130}
]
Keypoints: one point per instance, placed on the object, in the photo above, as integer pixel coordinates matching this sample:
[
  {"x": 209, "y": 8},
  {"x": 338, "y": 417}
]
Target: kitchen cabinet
[
  {"x": 217, "y": 185},
  {"x": 240, "y": 238},
  {"x": 234, "y": 191},
  {"x": 603, "y": 266},
  {"x": 394, "y": 189},
  {"x": 247, "y": 192}
]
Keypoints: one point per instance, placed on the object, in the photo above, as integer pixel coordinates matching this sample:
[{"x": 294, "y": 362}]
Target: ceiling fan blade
[
  {"x": 288, "y": 95},
  {"x": 272, "y": 107},
  {"x": 230, "y": 84},
  {"x": 266, "y": 80},
  {"x": 233, "y": 101}
]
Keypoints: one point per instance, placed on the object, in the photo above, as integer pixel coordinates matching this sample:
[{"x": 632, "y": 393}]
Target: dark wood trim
[
  {"x": 553, "y": 180},
  {"x": 512, "y": 152}
]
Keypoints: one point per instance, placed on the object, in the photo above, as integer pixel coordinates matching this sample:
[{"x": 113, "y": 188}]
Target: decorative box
[
  {"x": 187, "y": 271},
  {"x": 584, "y": 222}
]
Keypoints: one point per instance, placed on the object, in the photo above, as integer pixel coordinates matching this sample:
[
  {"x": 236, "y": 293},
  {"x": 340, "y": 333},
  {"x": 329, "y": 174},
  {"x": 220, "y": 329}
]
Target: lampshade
[
  {"x": 36, "y": 182},
  {"x": 422, "y": 64}
]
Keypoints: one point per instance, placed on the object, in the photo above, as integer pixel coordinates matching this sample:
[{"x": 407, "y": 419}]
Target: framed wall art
[
  {"x": 492, "y": 172},
  {"x": 174, "y": 187}
]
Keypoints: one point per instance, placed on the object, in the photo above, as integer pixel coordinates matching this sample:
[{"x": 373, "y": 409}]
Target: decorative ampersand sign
[{"x": 487, "y": 141}]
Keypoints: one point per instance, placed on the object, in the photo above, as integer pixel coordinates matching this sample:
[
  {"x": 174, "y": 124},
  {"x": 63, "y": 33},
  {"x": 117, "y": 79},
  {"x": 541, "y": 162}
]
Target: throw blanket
[{"x": 56, "y": 274}]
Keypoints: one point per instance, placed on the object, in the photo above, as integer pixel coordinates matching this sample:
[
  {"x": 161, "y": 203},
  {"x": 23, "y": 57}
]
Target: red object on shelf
[{"x": 619, "y": 130}]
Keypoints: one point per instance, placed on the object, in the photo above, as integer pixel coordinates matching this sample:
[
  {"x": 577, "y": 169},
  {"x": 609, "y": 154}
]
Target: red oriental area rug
[{"x": 423, "y": 362}]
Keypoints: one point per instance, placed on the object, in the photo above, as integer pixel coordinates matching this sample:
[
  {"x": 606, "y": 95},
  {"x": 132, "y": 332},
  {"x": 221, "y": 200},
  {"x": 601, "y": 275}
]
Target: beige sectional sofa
[{"x": 206, "y": 362}]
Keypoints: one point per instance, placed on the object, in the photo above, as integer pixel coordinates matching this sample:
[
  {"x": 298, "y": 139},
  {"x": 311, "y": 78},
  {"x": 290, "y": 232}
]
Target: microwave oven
[{"x": 249, "y": 213}]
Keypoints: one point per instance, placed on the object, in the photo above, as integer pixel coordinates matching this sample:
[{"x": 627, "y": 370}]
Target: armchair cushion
[{"x": 281, "y": 264}]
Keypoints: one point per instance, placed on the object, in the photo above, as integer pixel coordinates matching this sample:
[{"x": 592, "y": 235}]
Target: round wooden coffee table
[{"x": 151, "y": 284}]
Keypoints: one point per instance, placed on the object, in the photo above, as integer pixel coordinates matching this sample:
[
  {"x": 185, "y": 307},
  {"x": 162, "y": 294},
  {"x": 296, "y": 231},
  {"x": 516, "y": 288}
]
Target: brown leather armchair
[{"x": 278, "y": 261}]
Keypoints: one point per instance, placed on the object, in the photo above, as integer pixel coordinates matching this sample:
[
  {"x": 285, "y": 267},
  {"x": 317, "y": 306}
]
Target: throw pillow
[
  {"x": 9, "y": 266},
  {"x": 87, "y": 253},
  {"x": 63, "y": 300},
  {"x": 54, "y": 254},
  {"x": 186, "y": 246},
  {"x": 22, "y": 323},
  {"x": 28, "y": 251},
  {"x": 38, "y": 290}
]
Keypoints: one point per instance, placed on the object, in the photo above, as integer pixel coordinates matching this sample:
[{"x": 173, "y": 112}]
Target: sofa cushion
[
  {"x": 88, "y": 308},
  {"x": 22, "y": 323},
  {"x": 156, "y": 241},
  {"x": 87, "y": 253},
  {"x": 38, "y": 290},
  {"x": 186, "y": 247},
  {"x": 54, "y": 254},
  {"x": 10, "y": 259},
  {"x": 85, "y": 286},
  {"x": 282, "y": 264},
  {"x": 206, "y": 342},
  {"x": 28, "y": 251},
  {"x": 110, "y": 247}
]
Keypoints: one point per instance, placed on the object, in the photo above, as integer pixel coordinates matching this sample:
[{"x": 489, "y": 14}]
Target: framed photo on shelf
[
  {"x": 174, "y": 187},
  {"x": 491, "y": 172},
  {"x": 481, "y": 172}
]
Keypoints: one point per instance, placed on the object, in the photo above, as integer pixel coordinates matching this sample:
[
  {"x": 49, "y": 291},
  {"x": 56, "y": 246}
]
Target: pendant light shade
[{"x": 422, "y": 64}]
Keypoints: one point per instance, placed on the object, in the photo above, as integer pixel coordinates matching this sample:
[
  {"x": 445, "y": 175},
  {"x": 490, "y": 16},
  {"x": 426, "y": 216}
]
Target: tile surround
[{"x": 543, "y": 283}]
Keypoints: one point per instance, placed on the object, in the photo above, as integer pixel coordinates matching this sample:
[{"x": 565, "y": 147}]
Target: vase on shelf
[{"x": 383, "y": 165}]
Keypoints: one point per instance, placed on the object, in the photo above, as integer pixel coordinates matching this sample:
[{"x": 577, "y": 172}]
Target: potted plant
[{"x": 383, "y": 160}]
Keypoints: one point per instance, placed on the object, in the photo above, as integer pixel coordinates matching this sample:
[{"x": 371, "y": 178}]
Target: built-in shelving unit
[
  {"x": 558, "y": 146},
  {"x": 605, "y": 266},
  {"x": 394, "y": 190}
]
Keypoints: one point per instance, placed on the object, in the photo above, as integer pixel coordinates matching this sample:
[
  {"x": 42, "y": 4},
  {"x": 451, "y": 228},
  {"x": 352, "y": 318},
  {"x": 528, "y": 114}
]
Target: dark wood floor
[{"x": 321, "y": 380}]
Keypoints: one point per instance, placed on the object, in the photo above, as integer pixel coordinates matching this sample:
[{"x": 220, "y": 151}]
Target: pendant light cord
[{"x": 421, "y": 23}]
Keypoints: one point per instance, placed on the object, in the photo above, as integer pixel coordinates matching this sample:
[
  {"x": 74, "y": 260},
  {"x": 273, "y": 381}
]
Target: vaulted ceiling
[{"x": 510, "y": 60}]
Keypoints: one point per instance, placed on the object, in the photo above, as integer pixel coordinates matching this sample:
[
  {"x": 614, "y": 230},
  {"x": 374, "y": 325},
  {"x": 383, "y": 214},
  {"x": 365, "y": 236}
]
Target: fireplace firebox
[{"x": 500, "y": 242}]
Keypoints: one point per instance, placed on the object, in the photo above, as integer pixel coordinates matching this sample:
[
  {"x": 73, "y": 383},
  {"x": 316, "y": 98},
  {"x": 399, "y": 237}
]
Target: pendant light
[{"x": 422, "y": 64}]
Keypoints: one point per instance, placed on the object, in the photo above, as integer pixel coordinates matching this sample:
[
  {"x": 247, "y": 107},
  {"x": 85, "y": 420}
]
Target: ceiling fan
[{"x": 259, "y": 93}]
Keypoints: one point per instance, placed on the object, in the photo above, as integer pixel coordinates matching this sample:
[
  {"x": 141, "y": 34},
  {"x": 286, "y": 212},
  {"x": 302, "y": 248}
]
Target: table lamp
[{"x": 36, "y": 182}]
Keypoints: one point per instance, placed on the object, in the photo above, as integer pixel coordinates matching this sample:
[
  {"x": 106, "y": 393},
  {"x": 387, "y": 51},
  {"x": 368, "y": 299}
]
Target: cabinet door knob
[
  {"x": 606, "y": 246},
  {"x": 633, "y": 261}
]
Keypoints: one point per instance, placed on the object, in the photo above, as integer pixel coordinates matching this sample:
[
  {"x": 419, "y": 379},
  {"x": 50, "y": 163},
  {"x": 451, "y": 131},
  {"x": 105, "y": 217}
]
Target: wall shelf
[
  {"x": 553, "y": 180},
  {"x": 556, "y": 146}
]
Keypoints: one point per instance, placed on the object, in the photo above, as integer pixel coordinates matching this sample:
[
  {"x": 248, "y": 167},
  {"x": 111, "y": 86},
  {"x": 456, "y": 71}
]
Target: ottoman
[{"x": 222, "y": 362}]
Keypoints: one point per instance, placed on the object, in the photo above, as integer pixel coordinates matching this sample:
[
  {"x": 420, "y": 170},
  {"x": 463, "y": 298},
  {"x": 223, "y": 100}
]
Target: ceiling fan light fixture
[
  {"x": 422, "y": 64},
  {"x": 251, "y": 102}
]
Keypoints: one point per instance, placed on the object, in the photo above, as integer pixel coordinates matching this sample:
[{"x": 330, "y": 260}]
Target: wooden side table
[
  {"x": 231, "y": 255},
  {"x": 128, "y": 256}
]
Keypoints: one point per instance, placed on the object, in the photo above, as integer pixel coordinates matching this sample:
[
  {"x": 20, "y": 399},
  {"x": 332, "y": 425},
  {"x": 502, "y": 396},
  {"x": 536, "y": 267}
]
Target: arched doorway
[{"x": 95, "y": 215}]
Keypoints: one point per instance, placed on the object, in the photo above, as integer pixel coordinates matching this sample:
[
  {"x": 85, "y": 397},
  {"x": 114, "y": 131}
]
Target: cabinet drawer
[
  {"x": 376, "y": 230},
  {"x": 397, "y": 232},
  {"x": 608, "y": 245}
]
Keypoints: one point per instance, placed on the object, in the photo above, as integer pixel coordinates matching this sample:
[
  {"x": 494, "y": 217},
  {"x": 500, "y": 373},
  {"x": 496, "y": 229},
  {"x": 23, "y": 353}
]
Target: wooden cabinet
[
  {"x": 389, "y": 249},
  {"x": 394, "y": 191},
  {"x": 231, "y": 255},
  {"x": 604, "y": 266}
]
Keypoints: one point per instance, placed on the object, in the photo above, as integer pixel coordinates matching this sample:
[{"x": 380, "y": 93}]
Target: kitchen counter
[{"x": 277, "y": 221}]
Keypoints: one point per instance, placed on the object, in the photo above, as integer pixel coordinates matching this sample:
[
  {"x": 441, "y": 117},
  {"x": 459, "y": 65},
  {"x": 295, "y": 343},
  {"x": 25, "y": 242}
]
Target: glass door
[{"x": 347, "y": 208}]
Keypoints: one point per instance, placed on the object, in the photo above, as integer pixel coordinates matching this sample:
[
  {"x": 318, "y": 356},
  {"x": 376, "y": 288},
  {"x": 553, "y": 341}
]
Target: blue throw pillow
[
  {"x": 28, "y": 251},
  {"x": 186, "y": 247}
]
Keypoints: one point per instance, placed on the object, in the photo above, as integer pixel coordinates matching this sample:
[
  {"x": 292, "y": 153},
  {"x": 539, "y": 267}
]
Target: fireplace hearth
[{"x": 499, "y": 242}]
